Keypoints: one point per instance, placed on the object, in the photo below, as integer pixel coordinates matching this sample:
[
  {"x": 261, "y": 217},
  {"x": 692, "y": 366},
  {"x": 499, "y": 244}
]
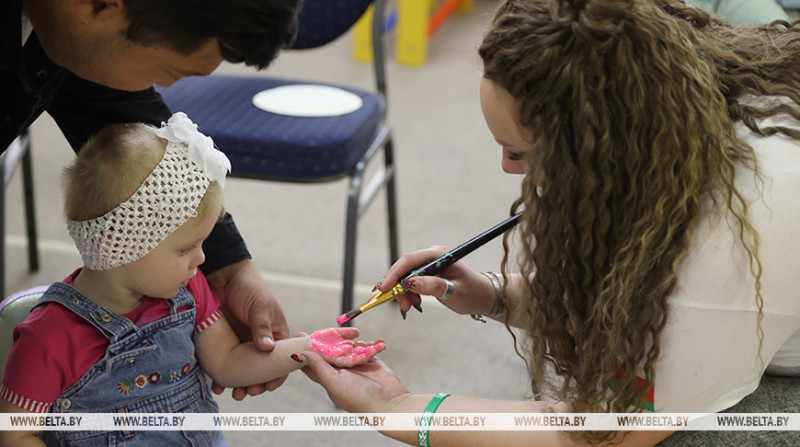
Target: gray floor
[{"x": 450, "y": 188}]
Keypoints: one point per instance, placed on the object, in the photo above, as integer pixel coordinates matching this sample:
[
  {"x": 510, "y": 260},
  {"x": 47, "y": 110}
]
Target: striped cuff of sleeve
[
  {"x": 23, "y": 402},
  {"x": 203, "y": 325}
]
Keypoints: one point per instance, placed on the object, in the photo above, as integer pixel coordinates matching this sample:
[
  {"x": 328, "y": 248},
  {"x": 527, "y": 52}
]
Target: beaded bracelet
[
  {"x": 427, "y": 415},
  {"x": 499, "y": 306}
]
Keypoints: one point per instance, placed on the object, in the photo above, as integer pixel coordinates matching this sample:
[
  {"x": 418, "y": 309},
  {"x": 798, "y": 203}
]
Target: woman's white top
[{"x": 710, "y": 356}]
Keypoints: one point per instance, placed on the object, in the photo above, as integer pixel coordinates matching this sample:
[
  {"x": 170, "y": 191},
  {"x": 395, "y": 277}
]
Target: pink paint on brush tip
[{"x": 344, "y": 318}]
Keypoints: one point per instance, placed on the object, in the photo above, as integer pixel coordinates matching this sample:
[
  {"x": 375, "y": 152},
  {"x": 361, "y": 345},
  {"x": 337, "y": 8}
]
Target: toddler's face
[{"x": 162, "y": 272}]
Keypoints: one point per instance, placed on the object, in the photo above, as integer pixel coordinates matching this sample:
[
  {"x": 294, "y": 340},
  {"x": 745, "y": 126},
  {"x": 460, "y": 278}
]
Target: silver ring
[{"x": 448, "y": 291}]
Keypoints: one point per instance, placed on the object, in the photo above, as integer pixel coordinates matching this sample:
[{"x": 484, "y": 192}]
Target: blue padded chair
[
  {"x": 18, "y": 153},
  {"x": 271, "y": 146}
]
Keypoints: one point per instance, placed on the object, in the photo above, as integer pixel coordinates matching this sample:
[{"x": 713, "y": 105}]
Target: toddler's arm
[
  {"x": 232, "y": 363},
  {"x": 18, "y": 438}
]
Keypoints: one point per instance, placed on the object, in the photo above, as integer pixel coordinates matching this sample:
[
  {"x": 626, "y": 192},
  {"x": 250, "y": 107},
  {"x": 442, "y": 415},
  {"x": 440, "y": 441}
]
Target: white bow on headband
[{"x": 200, "y": 148}]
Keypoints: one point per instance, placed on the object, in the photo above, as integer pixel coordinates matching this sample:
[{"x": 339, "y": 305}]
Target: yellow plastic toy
[{"x": 416, "y": 22}]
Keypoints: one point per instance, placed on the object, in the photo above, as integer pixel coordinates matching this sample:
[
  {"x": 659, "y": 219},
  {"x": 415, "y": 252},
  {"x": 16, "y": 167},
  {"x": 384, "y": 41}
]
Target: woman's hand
[
  {"x": 253, "y": 312},
  {"x": 369, "y": 388},
  {"x": 472, "y": 292}
]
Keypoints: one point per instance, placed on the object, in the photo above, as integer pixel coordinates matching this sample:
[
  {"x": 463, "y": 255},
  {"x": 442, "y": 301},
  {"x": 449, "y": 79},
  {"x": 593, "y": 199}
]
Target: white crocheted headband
[{"x": 166, "y": 199}]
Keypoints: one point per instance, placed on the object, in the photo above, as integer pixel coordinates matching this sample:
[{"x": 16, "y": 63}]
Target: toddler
[{"x": 135, "y": 329}]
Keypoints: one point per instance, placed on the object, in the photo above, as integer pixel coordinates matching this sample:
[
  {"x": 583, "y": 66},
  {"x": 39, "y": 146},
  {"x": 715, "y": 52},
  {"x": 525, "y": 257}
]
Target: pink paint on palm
[{"x": 332, "y": 343}]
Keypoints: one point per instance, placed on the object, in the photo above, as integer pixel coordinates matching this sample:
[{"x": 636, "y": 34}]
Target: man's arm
[
  {"x": 81, "y": 108},
  {"x": 224, "y": 246}
]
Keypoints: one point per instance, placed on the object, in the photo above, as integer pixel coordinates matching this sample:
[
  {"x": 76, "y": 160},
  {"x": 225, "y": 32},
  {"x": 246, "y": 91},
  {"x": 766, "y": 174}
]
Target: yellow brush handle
[{"x": 382, "y": 297}]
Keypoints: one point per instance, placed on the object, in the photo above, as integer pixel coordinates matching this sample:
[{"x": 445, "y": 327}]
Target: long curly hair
[{"x": 633, "y": 105}]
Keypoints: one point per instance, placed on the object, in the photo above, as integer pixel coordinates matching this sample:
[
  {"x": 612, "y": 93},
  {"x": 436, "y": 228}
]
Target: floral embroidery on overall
[{"x": 169, "y": 375}]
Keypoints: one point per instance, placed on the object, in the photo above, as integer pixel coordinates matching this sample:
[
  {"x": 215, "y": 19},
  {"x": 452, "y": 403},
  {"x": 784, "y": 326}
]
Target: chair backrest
[
  {"x": 322, "y": 21},
  {"x": 13, "y": 310}
]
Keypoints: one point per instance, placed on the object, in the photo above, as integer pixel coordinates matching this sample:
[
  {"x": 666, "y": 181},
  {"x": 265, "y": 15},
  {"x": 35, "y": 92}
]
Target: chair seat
[{"x": 271, "y": 146}]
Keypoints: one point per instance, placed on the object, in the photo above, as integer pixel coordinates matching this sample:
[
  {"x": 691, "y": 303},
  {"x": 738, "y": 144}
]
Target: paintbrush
[{"x": 432, "y": 268}]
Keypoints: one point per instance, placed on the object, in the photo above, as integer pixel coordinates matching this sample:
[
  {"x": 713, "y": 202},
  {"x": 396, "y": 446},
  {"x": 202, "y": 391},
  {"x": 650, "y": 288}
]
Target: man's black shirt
[{"x": 30, "y": 83}]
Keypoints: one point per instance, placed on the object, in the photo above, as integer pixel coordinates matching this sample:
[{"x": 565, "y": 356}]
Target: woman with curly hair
[{"x": 662, "y": 164}]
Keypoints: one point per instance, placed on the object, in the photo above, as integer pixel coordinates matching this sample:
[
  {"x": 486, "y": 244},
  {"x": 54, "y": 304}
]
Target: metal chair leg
[
  {"x": 391, "y": 202},
  {"x": 351, "y": 227},
  {"x": 356, "y": 206},
  {"x": 28, "y": 199},
  {"x": 30, "y": 209}
]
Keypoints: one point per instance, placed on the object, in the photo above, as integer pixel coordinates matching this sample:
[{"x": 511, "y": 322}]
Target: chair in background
[
  {"x": 18, "y": 153},
  {"x": 285, "y": 147},
  {"x": 13, "y": 310}
]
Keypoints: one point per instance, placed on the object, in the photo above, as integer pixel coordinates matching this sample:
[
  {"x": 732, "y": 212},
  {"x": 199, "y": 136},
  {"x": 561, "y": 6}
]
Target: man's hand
[{"x": 253, "y": 312}]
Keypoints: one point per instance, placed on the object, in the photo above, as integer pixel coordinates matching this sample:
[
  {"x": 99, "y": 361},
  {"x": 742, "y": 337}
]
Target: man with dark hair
[{"x": 89, "y": 63}]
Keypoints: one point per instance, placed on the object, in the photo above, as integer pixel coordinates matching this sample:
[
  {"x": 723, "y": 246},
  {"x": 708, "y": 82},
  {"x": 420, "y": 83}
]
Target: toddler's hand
[{"x": 337, "y": 347}]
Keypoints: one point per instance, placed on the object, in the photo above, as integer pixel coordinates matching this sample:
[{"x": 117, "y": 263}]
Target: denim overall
[{"x": 151, "y": 369}]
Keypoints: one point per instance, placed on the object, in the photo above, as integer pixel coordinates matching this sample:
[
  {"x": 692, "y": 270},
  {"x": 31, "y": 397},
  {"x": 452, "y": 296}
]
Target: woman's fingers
[
  {"x": 407, "y": 263},
  {"x": 428, "y": 285},
  {"x": 407, "y": 300}
]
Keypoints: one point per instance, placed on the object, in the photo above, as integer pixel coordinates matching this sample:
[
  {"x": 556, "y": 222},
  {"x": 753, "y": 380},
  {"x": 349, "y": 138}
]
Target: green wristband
[{"x": 427, "y": 415}]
